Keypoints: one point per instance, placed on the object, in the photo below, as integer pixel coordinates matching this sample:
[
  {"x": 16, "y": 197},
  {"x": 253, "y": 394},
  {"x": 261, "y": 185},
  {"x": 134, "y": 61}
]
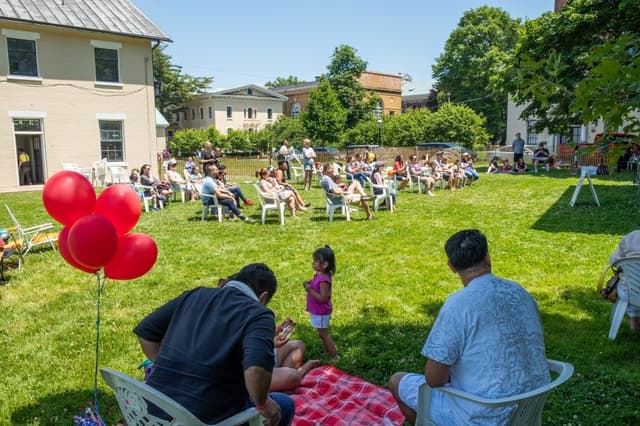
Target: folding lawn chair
[{"x": 33, "y": 236}]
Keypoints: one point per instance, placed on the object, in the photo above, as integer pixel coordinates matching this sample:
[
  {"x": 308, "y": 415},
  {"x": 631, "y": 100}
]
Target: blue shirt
[
  {"x": 490, "y": 335},
  {"x": 209, "y": 187}
]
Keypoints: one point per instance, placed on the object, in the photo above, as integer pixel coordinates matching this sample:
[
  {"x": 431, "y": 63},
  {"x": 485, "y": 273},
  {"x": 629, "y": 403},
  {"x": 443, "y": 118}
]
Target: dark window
[
  {"x": 210, "y": 112},
  {"x": 193, "y": 114},
  {"x": 269, "y": 114},
  {"x": 111, "y": 140},
  {"x": 107, "y": 65},
  {"x": 532, "y": 135},
  {"x": 229, "y": 112},
  {"x": 201, "y": 113},
  {"x": 23, "y": 57},
  {"x": 250, "y": 113},
  {"x": 184, "y": 115}
]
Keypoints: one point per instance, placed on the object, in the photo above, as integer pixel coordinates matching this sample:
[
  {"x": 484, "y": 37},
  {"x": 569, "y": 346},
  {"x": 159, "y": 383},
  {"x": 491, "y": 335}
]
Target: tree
[
  {"x": 283, "y": 81},
  {"x": 458, "y": 124},
  {"x": 573, "y": 66},
  {"x": 187, "y": 141},
  {"x": 175, "y": 88},
  {"x": 343, "y": 74},
  {"x": 324, "y": 118},
  {"x": 468, "y": 71}
]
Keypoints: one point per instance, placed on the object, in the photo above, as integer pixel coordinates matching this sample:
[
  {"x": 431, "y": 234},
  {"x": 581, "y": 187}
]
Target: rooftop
[{"x": 108, "y": 16}]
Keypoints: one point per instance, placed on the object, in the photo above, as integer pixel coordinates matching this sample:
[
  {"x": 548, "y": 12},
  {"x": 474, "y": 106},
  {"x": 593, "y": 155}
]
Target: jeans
[
  {"x": 228, "y": 203},
  {"x": 237, "y": 192},
  {"x": 287, "y": 406}
]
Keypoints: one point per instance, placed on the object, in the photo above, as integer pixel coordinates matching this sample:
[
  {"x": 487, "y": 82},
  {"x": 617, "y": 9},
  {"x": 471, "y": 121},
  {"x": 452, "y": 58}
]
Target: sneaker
[
  {"x": 248, "y": 220},
  {"x": 155, "y": 209},
  {"x": 249, "y": 203},
  {"x": 431, "y": 193}
]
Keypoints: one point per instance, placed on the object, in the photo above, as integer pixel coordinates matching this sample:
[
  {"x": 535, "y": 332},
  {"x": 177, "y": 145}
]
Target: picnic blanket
[{"x": 328, "y": 396}]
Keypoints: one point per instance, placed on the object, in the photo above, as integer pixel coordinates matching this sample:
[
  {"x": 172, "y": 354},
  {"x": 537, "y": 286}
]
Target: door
[{"x": 29, "y": 138}]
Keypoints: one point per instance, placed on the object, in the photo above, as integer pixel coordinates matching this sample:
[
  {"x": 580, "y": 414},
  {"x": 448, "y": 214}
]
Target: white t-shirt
[{"x": 490, "y": 334}]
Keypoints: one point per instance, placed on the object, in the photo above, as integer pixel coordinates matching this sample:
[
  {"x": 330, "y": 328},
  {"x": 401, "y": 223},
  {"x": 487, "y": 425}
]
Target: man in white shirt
[{"x": 487, "y": 340}]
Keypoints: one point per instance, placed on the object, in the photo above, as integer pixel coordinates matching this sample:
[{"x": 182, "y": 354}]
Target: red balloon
[
  {"x": 136, "y": 255},
  {"x": 121, "y": 206},
  {"x": 63, "y": 246},
  {"x": 93, "y": 241},
  {"x": 67, "y": 196}
]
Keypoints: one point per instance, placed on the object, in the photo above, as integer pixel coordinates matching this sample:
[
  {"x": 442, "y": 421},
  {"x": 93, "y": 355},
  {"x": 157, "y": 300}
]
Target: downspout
[{"x": 153, "y": 92}]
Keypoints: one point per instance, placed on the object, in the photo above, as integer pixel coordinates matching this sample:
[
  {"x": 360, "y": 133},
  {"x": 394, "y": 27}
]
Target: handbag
[{"x": 608, "y": 291}]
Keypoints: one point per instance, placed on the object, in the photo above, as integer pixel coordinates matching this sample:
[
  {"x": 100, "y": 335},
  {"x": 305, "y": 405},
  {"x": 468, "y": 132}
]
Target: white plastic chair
[
  {"x": 118, "y": 174},
  {"x": 33, "y": 236},
  {"x": 630, "y": 281},
  {"x": 528, "y": 405},
  {"x": 146, "y": 199},
  {"x": 134, "y": 396},
  {"x": 270, "y": 202},
  {"x": 214, "y": 208},
  {"x": 335, "y": 202},
  {"x": 297, "y": 170},
  {"x": 384, "y": 196},
  {"x": 414, "y": 180},
  {"x": 99, "y": 172}
]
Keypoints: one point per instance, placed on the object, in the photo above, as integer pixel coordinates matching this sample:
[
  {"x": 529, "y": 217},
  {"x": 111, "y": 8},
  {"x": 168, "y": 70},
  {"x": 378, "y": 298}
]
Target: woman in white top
[
  {"x": 283, "y": 194},
  {"x": 309, "y": 159}
]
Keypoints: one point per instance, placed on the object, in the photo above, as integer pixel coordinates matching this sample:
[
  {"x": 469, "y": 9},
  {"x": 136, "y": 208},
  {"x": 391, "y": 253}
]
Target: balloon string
[{"x": 101, "y": 281}]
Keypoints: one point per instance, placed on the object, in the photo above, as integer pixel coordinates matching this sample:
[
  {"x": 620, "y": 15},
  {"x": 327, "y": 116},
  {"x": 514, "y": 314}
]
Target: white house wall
[
  {"x": 238, "y": 121},
  {"x": 71, "y": 100}
]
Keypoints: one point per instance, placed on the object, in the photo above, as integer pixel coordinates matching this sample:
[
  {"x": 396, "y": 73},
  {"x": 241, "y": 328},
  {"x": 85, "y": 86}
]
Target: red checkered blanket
[{"x": 330, "y": 397}]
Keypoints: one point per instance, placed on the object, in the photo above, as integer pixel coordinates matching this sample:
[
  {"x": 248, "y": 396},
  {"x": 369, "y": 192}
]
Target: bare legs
[
  {"x": 308, "y": 177},
  {"x": 327, "y": 342},
  {"x": 394, "y": 384},
  {"x": 292, "y": 367}
]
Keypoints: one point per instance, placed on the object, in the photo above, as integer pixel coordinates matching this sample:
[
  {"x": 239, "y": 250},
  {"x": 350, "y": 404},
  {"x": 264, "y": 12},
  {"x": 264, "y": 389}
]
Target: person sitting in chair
[
  {"x": 487, "y": 340},
  {"x": 542, "y": 156},
  {"x": 353, "y": 194},
  {"x": 215, "y": 381}
]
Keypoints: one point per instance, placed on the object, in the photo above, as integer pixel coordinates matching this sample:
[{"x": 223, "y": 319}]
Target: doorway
[{"x": 29, "y": 150}]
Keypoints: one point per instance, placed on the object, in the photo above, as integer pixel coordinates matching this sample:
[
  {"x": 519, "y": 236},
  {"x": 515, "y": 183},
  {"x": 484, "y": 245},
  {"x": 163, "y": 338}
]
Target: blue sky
[{"x": 248, "y": 41}]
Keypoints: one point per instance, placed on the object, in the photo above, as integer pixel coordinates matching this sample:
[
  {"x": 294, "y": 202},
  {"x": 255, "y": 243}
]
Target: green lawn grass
[{"x": 391, "y": 280}]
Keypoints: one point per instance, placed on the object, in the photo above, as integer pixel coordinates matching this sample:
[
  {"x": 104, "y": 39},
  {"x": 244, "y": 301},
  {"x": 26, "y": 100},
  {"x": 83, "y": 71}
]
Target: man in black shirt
[
  {"x": 212, "y": 349},
  {"x": 542, "y": 156}
]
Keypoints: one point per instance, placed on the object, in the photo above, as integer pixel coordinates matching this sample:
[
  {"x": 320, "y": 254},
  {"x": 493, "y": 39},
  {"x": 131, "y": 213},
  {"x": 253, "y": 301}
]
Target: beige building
[
  {"x": 249, "y": 107},
  {"x": 387, "y": 86},
  {"x": 76, "y": 85}
]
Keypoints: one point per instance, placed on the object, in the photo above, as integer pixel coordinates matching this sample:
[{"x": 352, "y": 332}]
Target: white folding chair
[
  {"x": 527, "y": 406},
  {"x": 270, "y": 202},
  {"x": 134, "y": 397},
  {"x": 32, "y": 236}
]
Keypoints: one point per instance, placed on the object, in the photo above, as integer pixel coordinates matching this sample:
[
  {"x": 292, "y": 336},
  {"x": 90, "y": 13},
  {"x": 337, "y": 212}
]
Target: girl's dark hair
[{"x": 325, "y": 254}]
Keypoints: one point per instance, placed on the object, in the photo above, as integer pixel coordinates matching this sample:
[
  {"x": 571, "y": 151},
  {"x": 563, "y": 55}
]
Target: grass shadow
[
  {"x": 617, "y": 213},
  {"x": 60, "y": 408}
]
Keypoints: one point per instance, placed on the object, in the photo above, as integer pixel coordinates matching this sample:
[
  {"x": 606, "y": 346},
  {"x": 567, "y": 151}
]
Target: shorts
[
  {"x": 408, "y": 389},
  {"x": 353, "y": 198},
  {"x": 308, "y": 165},
  {"x": 320, "y": 321}
]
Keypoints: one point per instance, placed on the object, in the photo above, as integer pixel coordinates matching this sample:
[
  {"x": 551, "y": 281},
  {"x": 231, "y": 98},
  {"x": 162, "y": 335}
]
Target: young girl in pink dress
[{"x": 319, "y": 297}]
